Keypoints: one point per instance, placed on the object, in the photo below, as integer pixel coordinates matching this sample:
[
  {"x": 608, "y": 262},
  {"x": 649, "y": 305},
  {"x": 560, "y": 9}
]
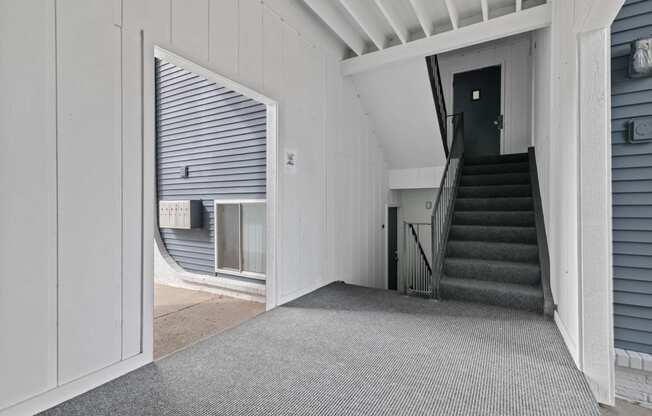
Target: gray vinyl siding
[
  {"x": 221, "y": 136},
  {"x": 632, "y": 186}
]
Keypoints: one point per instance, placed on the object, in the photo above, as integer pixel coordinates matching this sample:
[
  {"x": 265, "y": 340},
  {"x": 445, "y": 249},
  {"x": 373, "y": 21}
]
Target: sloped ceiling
[{"x": 399, "y": 102}]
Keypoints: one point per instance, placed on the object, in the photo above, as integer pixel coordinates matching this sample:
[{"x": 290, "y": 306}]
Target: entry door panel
[
  {"x": 477, "y": 95},
  {"x": 392, "y": 247}
]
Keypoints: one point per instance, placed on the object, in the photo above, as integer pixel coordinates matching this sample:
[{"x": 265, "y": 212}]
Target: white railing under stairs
[{"x": 416, "y": 272}]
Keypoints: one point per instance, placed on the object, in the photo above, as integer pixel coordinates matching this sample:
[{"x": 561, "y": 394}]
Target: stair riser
[
  {"x": 491, "y": 169},
  {"x": 504, "y": 273},
  {"x": 498, "y": 298},
  {"x": 514, "y": 219},
  {"x": 496, "y": 179},
  {"x": 497, "y": 234},
  {"x": 498, "y": 160},
  {"x": 493, "y": 251},
  {"x": 505, "y": 191},
  {"x": 494, "y": 204}
]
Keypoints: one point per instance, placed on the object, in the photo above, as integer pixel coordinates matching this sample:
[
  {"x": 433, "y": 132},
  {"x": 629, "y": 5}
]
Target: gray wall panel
[
  {"x": 632, "y": 186},
  {"x": 221, "y": 136}
]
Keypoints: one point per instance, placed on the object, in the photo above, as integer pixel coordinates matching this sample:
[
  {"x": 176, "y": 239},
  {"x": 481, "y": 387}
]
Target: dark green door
[
  {"x": 477, "y": 94},
  {"x": 392, "y": 248}
]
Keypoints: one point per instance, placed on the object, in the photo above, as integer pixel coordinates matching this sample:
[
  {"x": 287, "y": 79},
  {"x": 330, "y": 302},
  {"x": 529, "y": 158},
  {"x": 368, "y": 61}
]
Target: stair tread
[
  {"x": 493, "y": 286},
  {"x": 493, "y": 270},
  {"x": 492, "y": 243},
  {"x": 497, "y": 212},
  {"x": 498, "y": 233},
  {"x": 509, "y": 167},
  {"x": 496, "y": 174},
  {"x": 496, "y": 159},
  {"x": 515, "y": 203},
  {"x": 496, "y": 227},
  {"x": 520, "y": 264}
]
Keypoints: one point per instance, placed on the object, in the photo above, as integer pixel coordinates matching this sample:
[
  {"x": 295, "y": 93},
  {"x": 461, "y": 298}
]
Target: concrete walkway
[
  {"x": 183, "y": 317},
  {"x": 624, "y": 408}
]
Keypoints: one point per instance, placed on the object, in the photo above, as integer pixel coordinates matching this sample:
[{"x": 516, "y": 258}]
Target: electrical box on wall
[
  {"x": 183, "y": 215},
  {"x": 639, "y": 130}
]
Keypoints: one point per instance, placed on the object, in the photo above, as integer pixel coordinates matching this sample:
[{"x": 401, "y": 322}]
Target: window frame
[{"x": 241, "y": 272}]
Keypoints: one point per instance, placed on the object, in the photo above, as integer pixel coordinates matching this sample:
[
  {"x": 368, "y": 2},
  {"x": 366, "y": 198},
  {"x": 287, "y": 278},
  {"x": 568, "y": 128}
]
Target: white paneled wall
[
  {"x": 331, "y": 204},
  {"x": 28, "y": 245},
  {"x": 77, "y": 165},
  {"x": 90, "y": 189}
]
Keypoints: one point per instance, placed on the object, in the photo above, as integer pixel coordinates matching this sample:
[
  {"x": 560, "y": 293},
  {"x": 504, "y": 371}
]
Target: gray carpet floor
[{"x": 348, "y": 350}]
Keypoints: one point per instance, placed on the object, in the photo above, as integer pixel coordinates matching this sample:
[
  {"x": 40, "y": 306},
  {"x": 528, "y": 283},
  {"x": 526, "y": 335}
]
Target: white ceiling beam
[
  {"x": 365, "y": 20},
  {"x": 399, "y": 28},
  {"x": 519, "y": 5},
  {"x": 485, "y": 10},
  {"x": 422, "y": 16},
  {"x": 500, "y": 27},
  {"x": 452, "y": 12},
  {"x": 327, "y": 12}
]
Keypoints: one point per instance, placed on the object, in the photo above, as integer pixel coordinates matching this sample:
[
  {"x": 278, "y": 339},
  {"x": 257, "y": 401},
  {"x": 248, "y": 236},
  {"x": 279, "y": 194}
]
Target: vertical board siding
[
  {"x": 632, "y": 186},
  {"x": 220, "y": 135}
]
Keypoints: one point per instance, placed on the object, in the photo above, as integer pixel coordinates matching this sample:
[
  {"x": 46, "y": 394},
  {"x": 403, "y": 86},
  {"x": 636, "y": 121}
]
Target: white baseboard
[
  {"x": 570, "y": 343},
  {"x": 72, "y": 389},
  {"x": 298, "y": 293}
]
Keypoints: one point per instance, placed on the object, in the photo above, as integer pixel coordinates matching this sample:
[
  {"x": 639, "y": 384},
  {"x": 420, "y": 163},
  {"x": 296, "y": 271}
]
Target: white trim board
[{"x": 271, "y": 160}]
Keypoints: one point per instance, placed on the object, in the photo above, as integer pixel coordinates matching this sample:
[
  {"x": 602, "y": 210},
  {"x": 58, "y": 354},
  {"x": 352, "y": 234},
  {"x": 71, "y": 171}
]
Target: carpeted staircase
[{"x": 492, "y": 254}]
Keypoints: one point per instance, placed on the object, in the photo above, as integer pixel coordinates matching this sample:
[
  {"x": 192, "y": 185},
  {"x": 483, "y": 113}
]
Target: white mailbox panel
[{"x": 184, "y": 215}]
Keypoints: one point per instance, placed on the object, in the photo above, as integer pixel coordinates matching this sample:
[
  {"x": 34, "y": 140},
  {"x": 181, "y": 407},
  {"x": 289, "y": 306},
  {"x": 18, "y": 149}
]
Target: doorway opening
[
  {"x": 215, "y": 181},
  {"x": 477, "y": 94},
  {"x": 392, "y": 248}
]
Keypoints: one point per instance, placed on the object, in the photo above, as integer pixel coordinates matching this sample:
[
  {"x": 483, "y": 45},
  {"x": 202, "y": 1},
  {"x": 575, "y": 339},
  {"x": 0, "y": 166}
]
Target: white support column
[
  {"x": 485, "y": 10},
  {"x": 596, "y": 292}
]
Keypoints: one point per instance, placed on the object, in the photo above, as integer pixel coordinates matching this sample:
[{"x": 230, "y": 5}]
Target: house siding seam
[
  {"x": 632, "y": 186},
  {"x": 220, "y": 135}
]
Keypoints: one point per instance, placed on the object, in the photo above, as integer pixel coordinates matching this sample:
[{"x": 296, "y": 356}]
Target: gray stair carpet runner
[{"x": 492, "y": 254}]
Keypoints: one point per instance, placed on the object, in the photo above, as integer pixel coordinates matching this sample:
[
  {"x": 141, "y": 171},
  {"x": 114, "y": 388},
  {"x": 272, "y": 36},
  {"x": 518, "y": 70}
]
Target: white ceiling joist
[
  {"x": 500, "y": 27},
  {"x": 365, "y": 19},
  {"x": 399, "y": 28},
  {"x": 422, "y": 15},
  {"x": 452, "y": 12},
  {"x": 485, "y": 10},
  {"x": 519, "y": 5},
  {"x": 340, "y": 26}
]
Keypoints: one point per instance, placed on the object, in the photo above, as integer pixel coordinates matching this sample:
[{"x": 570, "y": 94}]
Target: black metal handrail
[
  {"x": 424, "y": 258},
  {"x": 442, "y": 213},
  {"x": 416, "y": 274},
  {"x": 438, "y": 96}
]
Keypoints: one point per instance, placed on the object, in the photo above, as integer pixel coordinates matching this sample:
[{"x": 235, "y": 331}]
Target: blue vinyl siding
[
  {"x": 632, "y": 186},
  {"x": 221, "y": 136}
]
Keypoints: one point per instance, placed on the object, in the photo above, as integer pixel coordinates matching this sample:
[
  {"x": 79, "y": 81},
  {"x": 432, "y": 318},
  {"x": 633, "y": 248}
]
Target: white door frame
[{"x": 271, "y": 293}]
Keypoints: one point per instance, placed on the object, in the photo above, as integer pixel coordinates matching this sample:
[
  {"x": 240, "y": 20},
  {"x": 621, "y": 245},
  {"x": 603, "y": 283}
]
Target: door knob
[{"x": 499, "y": 122}]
